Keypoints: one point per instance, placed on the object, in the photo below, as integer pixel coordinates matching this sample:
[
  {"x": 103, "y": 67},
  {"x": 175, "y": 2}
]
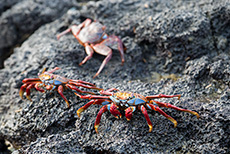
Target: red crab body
[
  {"x": 130, "y": 102},
  {"x": 51, "y": 82},
  {"x": 93, "y": 37}
]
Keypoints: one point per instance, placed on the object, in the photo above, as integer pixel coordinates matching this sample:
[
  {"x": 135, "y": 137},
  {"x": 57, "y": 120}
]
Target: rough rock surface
[{"x": 173, "y": 47}]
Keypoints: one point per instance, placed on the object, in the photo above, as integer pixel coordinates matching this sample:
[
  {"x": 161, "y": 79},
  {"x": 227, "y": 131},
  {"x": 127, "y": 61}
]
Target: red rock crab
[
  {"x": 129, "y": 102},
  {"x": 51, "y": 82},
  {"x": 93, "y": 37}
]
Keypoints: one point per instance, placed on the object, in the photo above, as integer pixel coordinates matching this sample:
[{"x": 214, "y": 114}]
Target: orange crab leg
[
  {"x": 83, "y": 108},
  {"x": 98, "y": 119},
  {"x": 30, "y": 80},
  {"x": 30, "y": 86},
  {"x": 22, "y": 90},
  {"x": 60, "y": 91},
  {"x": 78, "y": 90},
  {"x": 167, "y": 105},
  {"x": 84, "y": 82},
  {"x": 144, "y": 111},
  {"x": 85, "y": 86},
  {"x": 162, "y": 96},
  {"x": 93, "y": 97},
  {"x": 156, "y": 108}
]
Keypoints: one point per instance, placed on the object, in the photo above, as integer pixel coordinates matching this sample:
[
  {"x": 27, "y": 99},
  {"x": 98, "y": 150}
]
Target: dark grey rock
[
  {"x": 7, "y": 4},
  {"x": 23, "y": 18},
  {"x": 174, "y": 40}
]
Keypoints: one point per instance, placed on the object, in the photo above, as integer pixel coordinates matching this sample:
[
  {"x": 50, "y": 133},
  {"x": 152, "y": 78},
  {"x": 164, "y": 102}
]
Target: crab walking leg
[
  {"x": 129, "y": 112},
  {"x": 85, "y": 86},
  {"x": 53, "y": 70},
  {"x": 89, "y": 51},
  {"x": 84, "y": 82},
  {"x": 83, "y": 108},
  {"x": 167, "y": 105},
  {"x": 105, "y": 51},
  {"x": 75, "y": 29},
  {"x": 30, "y": 86},
  {"x": 22, "y": 89},
  {"x": 156, "y": 108},
  {"x": 30, "y": 80},
  {"x": 93, "y": 97},
  {"x": 78, "y": 90},
  {"x": 108, "y": 91},
  {"x": 111, "y": 40},
  {"x": 60, "y": 91},
  {"x": 144, "y": 111},
  {"x": 162, "y": 96},
  {"x": 98, "y": 119}
]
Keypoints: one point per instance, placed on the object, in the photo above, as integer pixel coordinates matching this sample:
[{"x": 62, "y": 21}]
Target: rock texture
[{"x": 173, "y": 47}]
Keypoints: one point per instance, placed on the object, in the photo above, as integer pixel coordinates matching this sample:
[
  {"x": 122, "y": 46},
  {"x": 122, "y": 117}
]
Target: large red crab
[
  {"x": 93, "y": 37},
  {"x": 51, "y": 82},
  {"x": 129, "y": 102}
]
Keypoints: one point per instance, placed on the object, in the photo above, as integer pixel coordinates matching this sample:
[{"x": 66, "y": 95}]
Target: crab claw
[
  {"x": 113, "y": 110},
  {"x": 129, "y": 112}
]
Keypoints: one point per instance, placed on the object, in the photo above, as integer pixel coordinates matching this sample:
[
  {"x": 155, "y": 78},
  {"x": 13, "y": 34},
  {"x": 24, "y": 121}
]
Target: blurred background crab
[
  {"x": 51, "y": 82},
  {"x": 93, "y": 37},
  {"x": 129, "y": 102}
]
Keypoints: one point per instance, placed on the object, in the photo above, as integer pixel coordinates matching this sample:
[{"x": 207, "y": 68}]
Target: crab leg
[
  {"x": 85, "y": 86},
  {"x": 167, "y": 105},
  {"x": 83, "y": 108},
  {"x": 108, "y": 91},
  {"x": 78, "y": 90},
  {"x": 156, "y": 108},
  {"x": 111, "y": 40},
  {"x": 144, "y": 111},
  {"x": 98, "y": 119},
  {"x": 89, "y": 51},
  {"x": 84, "y": 82},
  {"x": 60, "y": 91},
  {"x": 105, "y": 51},
  {"x": 93, "y": 97},
  {"x": 30, "y": 80},
  {"x": 51, "y": 71},
  {"x": 162, "y": 96},
  {"x": 30, "y": 86},
  {"x": 75, "y": 29},
  {"x": 22, "y": 90}
]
